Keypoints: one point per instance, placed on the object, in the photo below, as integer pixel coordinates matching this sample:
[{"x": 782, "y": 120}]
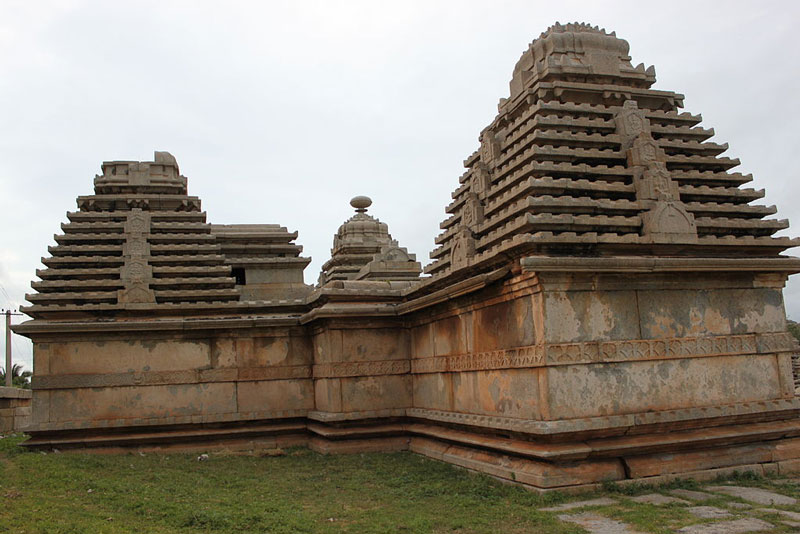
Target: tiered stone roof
[
  {"x": 265, "y": 245},
  {"x": 585, "y": 157},
  {"x": 264, "y": 259},
  {"x": 364, "y": 249},
  {"x": 139, "y": 242}
]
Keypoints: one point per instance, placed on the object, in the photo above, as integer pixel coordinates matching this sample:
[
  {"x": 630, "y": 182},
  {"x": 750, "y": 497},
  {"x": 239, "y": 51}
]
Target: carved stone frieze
[
  {"x": 345, "y": 369},
  {"x": 521, "y": 357},
  {"x": 608, "y": 351}
]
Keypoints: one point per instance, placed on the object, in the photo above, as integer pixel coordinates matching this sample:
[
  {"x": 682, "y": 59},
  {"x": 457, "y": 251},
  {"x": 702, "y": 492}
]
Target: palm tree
[{"x": 19, "y": 378}]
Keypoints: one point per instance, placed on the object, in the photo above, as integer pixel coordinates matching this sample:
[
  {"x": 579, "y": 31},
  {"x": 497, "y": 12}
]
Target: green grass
[{"x": 301, "y": 492}]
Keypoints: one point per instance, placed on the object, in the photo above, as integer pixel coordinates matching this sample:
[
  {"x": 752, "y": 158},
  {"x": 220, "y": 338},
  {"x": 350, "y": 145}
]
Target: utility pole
[{"x": 8, "y": 346}]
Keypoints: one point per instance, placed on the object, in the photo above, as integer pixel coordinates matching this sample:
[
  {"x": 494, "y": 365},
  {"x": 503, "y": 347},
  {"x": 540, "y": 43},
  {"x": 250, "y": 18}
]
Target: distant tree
[
  {"x": 794, "y": 329},
  {"x": 19, "y": 378}
]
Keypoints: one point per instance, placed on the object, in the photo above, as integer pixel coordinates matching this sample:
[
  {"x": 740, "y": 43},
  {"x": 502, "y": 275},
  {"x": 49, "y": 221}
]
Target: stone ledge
[
  {"x": 162, "y": 378},
  {"x": 529, "y": 426},
  {"x": 15, "y": 393},
  {"x": 160, "y": 421},
  {"x": 632, "y": 264}
]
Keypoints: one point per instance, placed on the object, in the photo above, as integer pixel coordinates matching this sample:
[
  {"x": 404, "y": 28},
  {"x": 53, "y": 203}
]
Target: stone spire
[
  {"x": 140, "y": 242},
  {"x": 364, "y": 249},
  {"x": 585, "y": 158}
]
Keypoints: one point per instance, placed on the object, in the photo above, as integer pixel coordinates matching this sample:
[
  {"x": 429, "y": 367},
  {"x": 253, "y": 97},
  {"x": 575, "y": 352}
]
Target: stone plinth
[{"x": 15, "y": 409}]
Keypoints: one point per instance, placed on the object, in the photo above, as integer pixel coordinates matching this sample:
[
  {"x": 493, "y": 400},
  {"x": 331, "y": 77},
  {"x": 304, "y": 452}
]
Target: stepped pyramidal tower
[
  {"x": 585, "y": 158},
  {"x": 604, "y": 303}
]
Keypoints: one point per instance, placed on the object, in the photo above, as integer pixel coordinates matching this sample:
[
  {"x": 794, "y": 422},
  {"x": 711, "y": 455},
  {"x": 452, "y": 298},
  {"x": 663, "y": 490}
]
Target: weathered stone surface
[
  {"x": 657, "y": 499},
  {"x": 693, "y": 495},
  {"x": 598, "y": 524},
  {"x": 757, "y": 495},
  {"x": 376, "y": 393},
  {"x": 510, "y": 393},
  {"x": 591, "y": 316},
  {"x": 274, "y": 395},
  {"x": 15, "y": 409},
  {"x": 650, "y": 465},
  {"x": 601, "y": 501},
  {"x": 718, "y": 312},
  {"x": 132, "y": 355},
  {"x": 142, "y": 402},
  {"x": 736, "y": 526},
  {"x": 644, "y": 386},
  {"x": 708, "y": 512}
]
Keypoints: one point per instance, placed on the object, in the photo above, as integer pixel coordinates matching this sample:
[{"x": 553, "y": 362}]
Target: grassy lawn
[
  {"x": 299, "y": 492},
  {"x": 305, "y": 492}
]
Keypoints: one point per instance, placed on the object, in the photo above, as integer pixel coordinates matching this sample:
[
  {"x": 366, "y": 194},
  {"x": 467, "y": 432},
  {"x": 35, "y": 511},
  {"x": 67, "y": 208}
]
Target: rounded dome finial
[{"x": 361, "y": 203}]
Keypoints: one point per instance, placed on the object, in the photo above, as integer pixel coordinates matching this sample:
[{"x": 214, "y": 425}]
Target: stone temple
[{"x": 604, "y": 303}]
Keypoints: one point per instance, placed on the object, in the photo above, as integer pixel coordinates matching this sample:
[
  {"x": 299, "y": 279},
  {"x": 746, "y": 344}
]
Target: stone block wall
[
  {"x": 15, "y": 409},
  {"x": 575, "y": 351},
  {"x": 147, "y": 379},
  {"x": 361, "y": 369}
]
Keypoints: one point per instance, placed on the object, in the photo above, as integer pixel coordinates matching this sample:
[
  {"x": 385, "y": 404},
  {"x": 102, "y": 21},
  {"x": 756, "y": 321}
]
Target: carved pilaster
[
  {"x": 136, "y": 273},
  {"x": 463, "y": 249},
  {"x": 472, "y": 212},
  {"x": 666, "y": 219},
  {"x": 490, "y": 148},
  {"x": 481, "y": 180}
]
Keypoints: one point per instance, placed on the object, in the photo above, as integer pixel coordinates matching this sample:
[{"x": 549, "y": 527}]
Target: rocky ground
[{"x": 723, "y": 508}]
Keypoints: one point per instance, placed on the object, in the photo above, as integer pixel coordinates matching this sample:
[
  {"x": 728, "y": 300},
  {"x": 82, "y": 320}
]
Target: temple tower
[
  {"x": 604, "y": 304},
  {"x": 363, "y": 249}
]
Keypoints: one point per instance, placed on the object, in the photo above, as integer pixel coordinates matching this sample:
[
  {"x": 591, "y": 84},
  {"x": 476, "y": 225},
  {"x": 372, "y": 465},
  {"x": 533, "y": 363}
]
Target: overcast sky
[{"x": 280, "y": 112}]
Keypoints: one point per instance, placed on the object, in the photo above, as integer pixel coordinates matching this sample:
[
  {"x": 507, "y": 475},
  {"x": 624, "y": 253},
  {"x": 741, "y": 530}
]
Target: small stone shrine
[{"x": 604, "y": 303}]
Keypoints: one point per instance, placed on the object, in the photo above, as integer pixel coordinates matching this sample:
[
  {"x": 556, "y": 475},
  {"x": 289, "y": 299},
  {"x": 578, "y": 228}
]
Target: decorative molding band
[
  {"x": 532, "y": 426},
  {"x": 553, "y": 354},
  {"x": 328, "y": 417},
  {"x": 633, "y": 264},
  {"x": 227, "y": 417},
  {"x": 517, "y": 358},
  {"x": 168, "y": 378},
  {"x": 347, "y": 369}
]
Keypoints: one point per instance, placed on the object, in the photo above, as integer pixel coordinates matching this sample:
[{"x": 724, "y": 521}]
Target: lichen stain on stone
[
  {"x": 600, "y": 321},
  {"x": 525, "y": 323},
  {"x": 715, "y": 323},
  {"x": 562, "y": 319},
  {"x": 763, "y": 320},
  {"x": 696, "y": 325},
  {"x": 150, "y": 345},
  {"x": 370, "y": 385},
  {"x": 662, "y": 326}
]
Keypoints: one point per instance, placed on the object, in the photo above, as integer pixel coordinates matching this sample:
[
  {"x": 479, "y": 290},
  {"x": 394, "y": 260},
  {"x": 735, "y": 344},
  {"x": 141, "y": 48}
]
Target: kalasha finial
[{"x": 361, "y": 203}]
